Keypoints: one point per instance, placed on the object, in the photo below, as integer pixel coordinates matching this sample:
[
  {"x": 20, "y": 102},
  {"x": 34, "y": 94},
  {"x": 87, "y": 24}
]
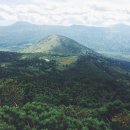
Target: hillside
[
  {"x": 56, "y": 44},
  {"x": 91, "y": 78},
  {"x": 35, "y": 93}
]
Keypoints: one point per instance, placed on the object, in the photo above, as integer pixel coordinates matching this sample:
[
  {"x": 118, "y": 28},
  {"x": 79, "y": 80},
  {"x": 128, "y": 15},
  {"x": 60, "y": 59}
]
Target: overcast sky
[{"x": 65, "y": 12}]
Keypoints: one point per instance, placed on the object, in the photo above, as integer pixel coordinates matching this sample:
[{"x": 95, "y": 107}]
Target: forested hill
[
  {"x": 63, "y": 92},
  {"x": 90, "y": 78}
]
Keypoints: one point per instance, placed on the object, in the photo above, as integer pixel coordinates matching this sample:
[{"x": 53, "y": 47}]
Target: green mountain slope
[
  {"x": 81, "y": 97},
  {"x": 56, "y": 44},
  {"x": 91, "y": 79}
]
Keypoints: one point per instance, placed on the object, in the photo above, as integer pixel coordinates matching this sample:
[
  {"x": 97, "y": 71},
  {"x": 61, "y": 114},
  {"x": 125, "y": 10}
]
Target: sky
[{"x": 65, "y": 12}]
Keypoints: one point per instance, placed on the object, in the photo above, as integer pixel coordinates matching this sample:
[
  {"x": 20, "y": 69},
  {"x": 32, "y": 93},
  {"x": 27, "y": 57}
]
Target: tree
[{"x": 11, "y": 92}]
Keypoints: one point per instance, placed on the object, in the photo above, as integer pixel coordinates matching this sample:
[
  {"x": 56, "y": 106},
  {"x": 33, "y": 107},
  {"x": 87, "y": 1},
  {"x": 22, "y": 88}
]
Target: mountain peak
[
  {"x": 54, "y": 37},
  {"x": 57, "y": 44},
  {"x": 22, "y": 23},
  {"x": 57, "y": 36}
]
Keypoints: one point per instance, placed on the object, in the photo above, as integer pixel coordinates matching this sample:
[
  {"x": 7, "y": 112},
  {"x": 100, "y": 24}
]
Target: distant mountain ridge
[
  {"x": 57, "y": 44},
  {"x": 21, "y": 34}
]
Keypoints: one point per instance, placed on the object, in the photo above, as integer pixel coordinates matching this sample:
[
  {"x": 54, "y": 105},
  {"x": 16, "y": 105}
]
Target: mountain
[
  {"x": 57, "y": 44},
  {"x": 105, "y": 39},
  {"x": 91, "y": 79},
  {"x": 91, "y": 94}
]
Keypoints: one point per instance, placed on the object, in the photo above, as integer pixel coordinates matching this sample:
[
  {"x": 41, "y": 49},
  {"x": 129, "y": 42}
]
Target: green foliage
[
  {"x": 39, "y": 116},
  {"x": 11, "y": 92},
  {"x": 116, "y": 125},
  {"x": 111, "y": 109},
  {"x": 82, "y": 96}
]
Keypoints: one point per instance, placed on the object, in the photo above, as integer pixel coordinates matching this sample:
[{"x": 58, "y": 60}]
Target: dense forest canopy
[{"x": 63, "y": 92}]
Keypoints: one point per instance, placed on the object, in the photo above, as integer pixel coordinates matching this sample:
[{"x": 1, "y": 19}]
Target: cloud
[
  {"x": 67, "y": 12},
  {"x": 14, "y": 2}
]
